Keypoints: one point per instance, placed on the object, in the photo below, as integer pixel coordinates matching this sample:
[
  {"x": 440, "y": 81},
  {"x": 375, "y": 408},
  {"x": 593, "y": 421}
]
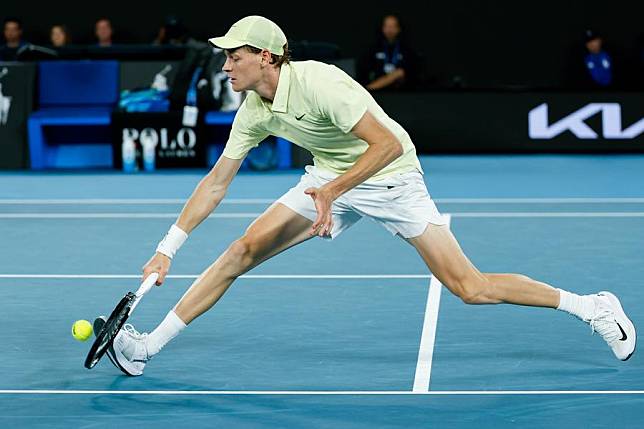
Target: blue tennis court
[{"x": 353, "y": 333}]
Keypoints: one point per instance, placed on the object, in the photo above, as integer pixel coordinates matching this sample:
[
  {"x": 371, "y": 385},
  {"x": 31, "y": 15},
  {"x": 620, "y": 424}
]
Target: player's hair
[{"x": 278, "y": 60}]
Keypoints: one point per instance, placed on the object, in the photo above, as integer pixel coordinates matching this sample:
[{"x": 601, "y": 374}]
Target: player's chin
[{"x": 237, "y": 86}]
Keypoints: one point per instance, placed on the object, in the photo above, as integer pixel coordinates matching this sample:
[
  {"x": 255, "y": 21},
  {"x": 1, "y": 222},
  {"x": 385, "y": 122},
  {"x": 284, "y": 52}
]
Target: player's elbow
[{"x": 396, "y": 149}]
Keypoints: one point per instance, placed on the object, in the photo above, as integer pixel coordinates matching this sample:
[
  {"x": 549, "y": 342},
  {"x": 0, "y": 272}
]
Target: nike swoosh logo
[
  {"x": 300, "y": 116},
  {"x": 624, "y": 337}
]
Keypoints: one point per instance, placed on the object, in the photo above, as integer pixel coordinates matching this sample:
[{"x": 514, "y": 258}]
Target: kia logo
[{"x": 538, "y": 127}]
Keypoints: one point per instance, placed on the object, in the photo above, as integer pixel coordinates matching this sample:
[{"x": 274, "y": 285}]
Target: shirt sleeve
[
  {"x": 341, "y": 99},
  {"x": 246, "y": 133}
]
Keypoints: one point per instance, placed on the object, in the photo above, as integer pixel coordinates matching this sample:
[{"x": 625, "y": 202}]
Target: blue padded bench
[
  {"x": 76, "y": 95},
  {"x": 283, "y": 146}
]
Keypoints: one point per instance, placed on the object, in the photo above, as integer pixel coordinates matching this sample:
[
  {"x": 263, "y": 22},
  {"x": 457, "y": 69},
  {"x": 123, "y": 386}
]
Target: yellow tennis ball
[{"x": 82, "y": 330}]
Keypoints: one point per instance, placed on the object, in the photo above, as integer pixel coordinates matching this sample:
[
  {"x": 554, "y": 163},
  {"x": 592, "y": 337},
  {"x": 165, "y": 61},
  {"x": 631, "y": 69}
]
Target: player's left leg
[{"x": 444, "y": 257}]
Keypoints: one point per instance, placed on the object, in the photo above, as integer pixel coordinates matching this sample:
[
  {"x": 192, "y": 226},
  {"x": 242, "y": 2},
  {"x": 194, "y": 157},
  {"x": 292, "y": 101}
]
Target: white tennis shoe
[
  {"x": 610, "y": 321},
  {"x": 128, "y": 351}
]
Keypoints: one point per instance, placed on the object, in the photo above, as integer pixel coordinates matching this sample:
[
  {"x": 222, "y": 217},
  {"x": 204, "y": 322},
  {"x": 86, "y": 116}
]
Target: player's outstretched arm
[
  {"x": 208, "y": 193},
  {"x": 203, "y": 201}
]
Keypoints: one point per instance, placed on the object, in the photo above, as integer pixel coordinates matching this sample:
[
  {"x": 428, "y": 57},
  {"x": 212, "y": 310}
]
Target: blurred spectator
[
  {"x": 391, "y": 63},
  {"x": 172, "y": 32},
  {"x": 59, "y": 36},
  {"x": 103, "y": 31},
  {"x": 13, "y": 39},
  {"x": 160, "y": 39},
  {"x": 599, "y": 64}
]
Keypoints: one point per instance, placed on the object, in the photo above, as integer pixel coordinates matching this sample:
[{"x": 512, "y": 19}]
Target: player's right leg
[{"x": 274, "y": 231}]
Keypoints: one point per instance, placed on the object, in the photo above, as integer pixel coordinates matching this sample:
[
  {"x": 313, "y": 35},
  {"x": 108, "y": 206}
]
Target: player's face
[{"x": 243, "y": 69}]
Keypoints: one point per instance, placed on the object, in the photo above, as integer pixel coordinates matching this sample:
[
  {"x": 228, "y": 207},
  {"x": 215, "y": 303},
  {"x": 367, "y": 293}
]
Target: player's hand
[
  {"x": 323, "y": 200},
  {"x": 159, "y": 263}
]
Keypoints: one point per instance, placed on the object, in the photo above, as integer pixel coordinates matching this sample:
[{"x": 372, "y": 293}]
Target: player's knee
[{"x": 240, "y": 254}]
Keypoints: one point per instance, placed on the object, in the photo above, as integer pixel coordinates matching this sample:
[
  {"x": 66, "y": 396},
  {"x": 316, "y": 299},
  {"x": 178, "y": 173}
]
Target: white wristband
[{"x": 172, "y": 241}]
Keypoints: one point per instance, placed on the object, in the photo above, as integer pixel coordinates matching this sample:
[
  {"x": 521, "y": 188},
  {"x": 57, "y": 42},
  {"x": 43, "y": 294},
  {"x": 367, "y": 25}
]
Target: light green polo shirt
[{"x": 316, "y": 106}]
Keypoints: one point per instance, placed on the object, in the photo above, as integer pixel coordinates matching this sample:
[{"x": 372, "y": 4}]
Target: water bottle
[
  {"x": 128, "y": 151},
  {"x": 149, "y": 154}
]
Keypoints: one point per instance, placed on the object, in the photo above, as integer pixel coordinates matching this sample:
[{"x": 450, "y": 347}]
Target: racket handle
[{"x": 147, "y": 284}]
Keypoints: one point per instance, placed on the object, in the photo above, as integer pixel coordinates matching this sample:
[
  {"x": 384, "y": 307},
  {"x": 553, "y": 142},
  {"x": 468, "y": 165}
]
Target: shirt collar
[{"x": 280, "y": 102}]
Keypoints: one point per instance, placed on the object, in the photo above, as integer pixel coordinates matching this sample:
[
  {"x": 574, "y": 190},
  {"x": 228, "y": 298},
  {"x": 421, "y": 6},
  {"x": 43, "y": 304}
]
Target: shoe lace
[
  {"x": 129, "y": 328},
  {"x": 605, "y": 325}
]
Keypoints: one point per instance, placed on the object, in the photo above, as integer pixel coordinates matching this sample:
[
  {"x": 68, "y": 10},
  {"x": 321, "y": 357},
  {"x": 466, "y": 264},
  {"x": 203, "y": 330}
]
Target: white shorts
[{"x": 400, "y": 203}]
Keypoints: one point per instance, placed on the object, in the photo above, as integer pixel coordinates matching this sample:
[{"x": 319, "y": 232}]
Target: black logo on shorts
[{"x": 298, "y": 118}]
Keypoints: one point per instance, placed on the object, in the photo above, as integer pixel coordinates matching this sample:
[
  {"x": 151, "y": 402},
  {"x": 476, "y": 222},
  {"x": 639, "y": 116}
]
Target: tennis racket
[{"x": 115, "y": 322}]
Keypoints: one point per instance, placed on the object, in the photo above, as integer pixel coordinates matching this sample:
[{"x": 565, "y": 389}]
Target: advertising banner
[
  {"x": 146, "y": 141},
  {"x": 516, "y": 122}
]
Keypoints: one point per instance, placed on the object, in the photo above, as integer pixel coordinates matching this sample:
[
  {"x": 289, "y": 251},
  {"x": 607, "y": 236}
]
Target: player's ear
[{"x": 265, "y": 57}]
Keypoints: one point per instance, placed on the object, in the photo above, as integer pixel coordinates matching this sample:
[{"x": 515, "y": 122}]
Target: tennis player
[{"x": 365, "y": 164}]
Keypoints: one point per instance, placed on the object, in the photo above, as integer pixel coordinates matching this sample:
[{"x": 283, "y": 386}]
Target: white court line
[
  {"x": 126, "y": 201},
  {"x": 241, "y": 201},
  {"x": 426, "y": 350},
  {"x": 546, "y": 214},
  {"x": 428, "y": 336},
  {"x": 540, "y": 200},
  {"x": 194, "y": 276},
  {"x": 254, "y": 215},
  {"x": 322, "y": 392},
  {"x": 116, "y": 215}
]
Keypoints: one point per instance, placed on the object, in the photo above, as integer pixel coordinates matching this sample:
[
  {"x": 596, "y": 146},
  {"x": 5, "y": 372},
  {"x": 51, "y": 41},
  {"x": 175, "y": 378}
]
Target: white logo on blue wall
[
  {"x": 539, "y": 128},
  {"x": 180, "y": 146}
]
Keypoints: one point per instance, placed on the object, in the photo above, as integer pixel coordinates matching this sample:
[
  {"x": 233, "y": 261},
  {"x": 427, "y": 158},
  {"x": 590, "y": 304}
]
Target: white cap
[{"x": 255, "y": 31}]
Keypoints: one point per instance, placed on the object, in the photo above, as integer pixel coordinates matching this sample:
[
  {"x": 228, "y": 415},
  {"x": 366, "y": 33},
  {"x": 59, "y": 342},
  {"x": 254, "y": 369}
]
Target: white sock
[
  {"x": 582, "y": 307},
  {"x": 171, "y": 326}
]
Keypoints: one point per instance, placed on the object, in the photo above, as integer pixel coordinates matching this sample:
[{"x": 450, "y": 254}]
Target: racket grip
[{"x": 147, "y": 284}]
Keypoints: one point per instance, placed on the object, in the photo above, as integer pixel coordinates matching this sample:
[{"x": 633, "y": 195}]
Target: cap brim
[{"x": 224, "y": 42}]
